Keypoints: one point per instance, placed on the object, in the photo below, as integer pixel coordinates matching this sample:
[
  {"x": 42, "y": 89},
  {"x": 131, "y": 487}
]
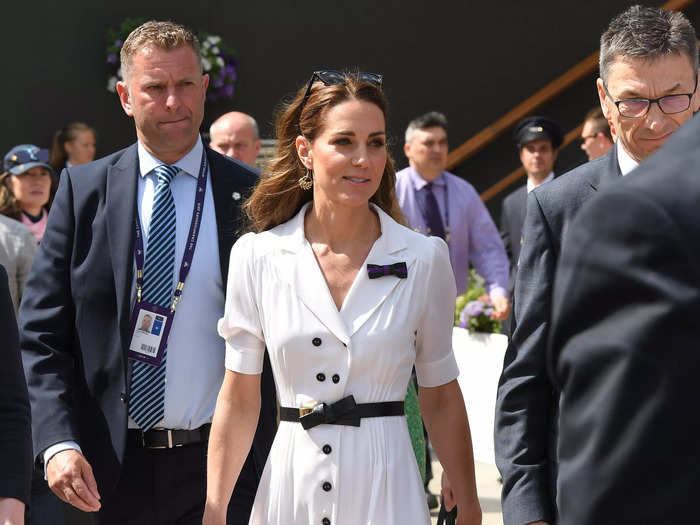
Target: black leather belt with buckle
[
  {"x": 343, "y": 412},
  {"x": 163, "y": 438}
]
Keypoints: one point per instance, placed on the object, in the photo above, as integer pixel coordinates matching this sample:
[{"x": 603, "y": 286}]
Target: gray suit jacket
[
  {"x": 512, "y": 219},
  {"x": 525, "y": 430},
  {"x": 17, "y": 249},
  {"x": 624, "y": 346}
]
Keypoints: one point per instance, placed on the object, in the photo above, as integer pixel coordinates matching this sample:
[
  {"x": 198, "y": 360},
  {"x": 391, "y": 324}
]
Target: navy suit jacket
[
  {"x": 512, "y": 220},
  {"x": 15, "y": 423},
  {"x": 75, "y": 313},
  {"x": 525, "y": 429},
  {"x": 624, "y": 344}
]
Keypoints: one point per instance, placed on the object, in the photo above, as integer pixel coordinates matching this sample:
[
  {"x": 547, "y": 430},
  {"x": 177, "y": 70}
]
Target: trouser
[{"x": 168, "y": 487}]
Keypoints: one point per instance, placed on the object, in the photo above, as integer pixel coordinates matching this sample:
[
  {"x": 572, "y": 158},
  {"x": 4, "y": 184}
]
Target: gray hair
[
  {"x": 647, "y": 33},
  {"x": 431, "y": 119},
  {"x": 162, "y": 35}
]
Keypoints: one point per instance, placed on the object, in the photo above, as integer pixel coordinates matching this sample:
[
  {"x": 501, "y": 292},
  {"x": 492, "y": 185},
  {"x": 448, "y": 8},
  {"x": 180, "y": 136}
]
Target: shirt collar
[
  {"x": 189, "y": 163},
  {"x": 419, "y": 182},
  {"x": 626, "y": 162},
  {"x": 531, "y": 185}
]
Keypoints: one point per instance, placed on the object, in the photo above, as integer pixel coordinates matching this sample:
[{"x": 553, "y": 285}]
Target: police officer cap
[{"x": 533, "y": 128}]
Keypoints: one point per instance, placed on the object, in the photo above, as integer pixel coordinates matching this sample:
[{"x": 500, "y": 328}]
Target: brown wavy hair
[{"x": 278, "y": 196}]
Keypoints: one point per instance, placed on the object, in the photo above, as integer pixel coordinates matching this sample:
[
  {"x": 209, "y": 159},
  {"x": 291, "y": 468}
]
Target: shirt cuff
[
  {"x": 437, "y": 373},
  {"x": 59, "y": 447},
  {"x": 497, "y": 291},
  {"x": 244, "y": 360}
]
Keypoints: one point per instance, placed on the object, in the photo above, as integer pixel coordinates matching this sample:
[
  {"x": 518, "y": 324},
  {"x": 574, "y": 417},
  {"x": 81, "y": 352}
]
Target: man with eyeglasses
[
  {"x": 647, "y": 84},
  {"x": 596, "y": 136}
]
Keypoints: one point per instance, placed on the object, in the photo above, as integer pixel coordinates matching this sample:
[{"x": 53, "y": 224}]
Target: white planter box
[{"x": 480, "y": 360}]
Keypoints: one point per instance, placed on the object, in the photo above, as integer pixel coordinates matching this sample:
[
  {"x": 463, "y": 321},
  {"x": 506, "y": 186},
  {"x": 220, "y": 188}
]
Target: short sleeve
[
  {"x": 435, "y": 362},
  {"x": 240, "y": 326}
]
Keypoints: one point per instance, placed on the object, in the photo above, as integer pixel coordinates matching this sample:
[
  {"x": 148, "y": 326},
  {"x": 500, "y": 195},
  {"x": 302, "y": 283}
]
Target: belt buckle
[
  {"x": 158, "y": 447},
  {"x": 310, "y": 417}
]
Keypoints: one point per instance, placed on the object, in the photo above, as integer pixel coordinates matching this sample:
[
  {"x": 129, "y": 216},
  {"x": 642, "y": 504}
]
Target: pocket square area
[{"x": 377, "y": 270}]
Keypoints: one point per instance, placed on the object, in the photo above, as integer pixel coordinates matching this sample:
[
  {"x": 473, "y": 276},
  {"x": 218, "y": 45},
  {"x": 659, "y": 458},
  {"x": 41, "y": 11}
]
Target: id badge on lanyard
[{"x": 151, "y": 323}]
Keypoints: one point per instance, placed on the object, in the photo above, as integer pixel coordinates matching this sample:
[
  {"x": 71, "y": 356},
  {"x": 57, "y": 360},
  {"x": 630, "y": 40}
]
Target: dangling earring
[{"x": 306, "y": 182}]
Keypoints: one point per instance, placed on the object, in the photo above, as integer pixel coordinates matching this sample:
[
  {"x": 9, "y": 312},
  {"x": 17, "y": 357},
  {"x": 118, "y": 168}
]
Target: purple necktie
[{"x": 431, "y": 213}]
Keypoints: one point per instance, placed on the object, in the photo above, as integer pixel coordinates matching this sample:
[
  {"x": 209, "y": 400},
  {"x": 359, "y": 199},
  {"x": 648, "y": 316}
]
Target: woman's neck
[
  {"x": 338, "y": 226},
  {"x": 33, "y": 211}
]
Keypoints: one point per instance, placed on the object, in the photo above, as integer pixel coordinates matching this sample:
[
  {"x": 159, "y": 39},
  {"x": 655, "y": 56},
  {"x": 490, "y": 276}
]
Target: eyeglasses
[
  {"x": 24, "y": 156},
  {"x": 669, "y": 104},
  {"x": 332, "y": 78}
]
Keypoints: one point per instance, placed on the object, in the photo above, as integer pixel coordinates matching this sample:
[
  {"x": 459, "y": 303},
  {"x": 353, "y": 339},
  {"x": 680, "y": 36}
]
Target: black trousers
[{"x": 168, "y": 487}]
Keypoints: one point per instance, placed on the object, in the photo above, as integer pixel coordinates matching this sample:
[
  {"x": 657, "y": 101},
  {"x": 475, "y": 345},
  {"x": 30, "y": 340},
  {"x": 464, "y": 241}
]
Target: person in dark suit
[
  {"x": 117, "y": 433},
  {"x": 15, "y": 422},
  {"x": 537, "y": 139},
  {"x": 649, "y": 71},
  {"x": 623, "y": 346}
]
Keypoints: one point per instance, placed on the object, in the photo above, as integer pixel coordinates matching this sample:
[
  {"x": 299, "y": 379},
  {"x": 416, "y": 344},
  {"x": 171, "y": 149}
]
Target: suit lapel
[
  {"x": 610, "y": 170},
  {"x": 122, "y": 180}
]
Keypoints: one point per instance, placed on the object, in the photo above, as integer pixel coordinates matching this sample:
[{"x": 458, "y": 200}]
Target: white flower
[
  {"x": 215, "y": 50},
  {"x": 112, "y": 84},
  {"x": 206, "y": 44},
  {"x": 206, "y": 64},
  {"x": 213, "y": 39},
  {"x": 220, "y": 61}
]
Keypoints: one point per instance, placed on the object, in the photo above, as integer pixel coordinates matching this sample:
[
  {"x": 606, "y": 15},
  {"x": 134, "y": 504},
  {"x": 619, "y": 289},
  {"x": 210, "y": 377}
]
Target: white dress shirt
[
  {"x": 626, "y": 162},
  {"x": 531, "y": 185},
  {"x": 195, "y": 366}
]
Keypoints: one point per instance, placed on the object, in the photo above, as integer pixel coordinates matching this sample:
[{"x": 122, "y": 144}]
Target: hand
[
  {"x": 469, "y": 513},
  {"x": 11, "y": 511},
  {"x": 501, "y": 310},
  {"x": 71, "y": 479},
  {"x": 448, "y": 497}
]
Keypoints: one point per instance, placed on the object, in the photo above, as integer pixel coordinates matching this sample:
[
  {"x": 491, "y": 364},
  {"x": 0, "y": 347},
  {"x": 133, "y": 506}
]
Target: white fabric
[
  {"x": 279, "y": 298},
  {"x": 531, "y": 185},
  {"x": 626, "y": 162}
]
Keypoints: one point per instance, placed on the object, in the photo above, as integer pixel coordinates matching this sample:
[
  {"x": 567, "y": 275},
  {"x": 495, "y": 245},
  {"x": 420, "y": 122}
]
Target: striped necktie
[{"x": 146, "y": 406}]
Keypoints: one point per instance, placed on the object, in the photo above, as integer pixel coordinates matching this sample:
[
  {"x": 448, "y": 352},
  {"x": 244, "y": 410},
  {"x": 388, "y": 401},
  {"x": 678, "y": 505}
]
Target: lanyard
[{"x": 191, "y": 239}]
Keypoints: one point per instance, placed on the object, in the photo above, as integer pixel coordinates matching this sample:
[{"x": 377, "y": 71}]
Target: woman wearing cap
[
  {"x": 346, "y": 300},
  {"x": 72, "y": 145},
  {"x": 27, "y": 187}
]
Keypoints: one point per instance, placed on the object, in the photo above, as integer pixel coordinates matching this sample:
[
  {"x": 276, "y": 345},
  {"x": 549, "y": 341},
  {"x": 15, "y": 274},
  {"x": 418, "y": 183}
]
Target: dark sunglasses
[
  {"x": 332, "y": 78},
  {"x": 669, "y": 104},
  {"x": 24, "y": 156}
]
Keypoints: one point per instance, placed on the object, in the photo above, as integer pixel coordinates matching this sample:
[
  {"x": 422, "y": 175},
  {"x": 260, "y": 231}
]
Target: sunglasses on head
[
  {"x": 24, "y": 156},
  {"x": 332, "y": 78}
]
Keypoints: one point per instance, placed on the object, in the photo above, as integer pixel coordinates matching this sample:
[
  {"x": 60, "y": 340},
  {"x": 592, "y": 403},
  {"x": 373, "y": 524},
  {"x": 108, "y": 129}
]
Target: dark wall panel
[{"x": 472, "y": 60}]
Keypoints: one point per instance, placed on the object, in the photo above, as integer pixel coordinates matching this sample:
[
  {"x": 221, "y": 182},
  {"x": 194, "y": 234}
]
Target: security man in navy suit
[
  {"x": 647, "y": 90},
  {"x": 90, "y": 384},
  {"x": 538, "y": 140}
]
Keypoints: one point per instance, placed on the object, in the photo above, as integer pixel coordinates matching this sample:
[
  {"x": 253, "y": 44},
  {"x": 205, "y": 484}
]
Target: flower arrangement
[
  {"x": 218, "y": 59},
  {"x": 474, "y": 308}
]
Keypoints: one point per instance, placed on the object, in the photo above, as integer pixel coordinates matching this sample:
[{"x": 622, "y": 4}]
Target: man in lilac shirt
[{"x": 436, "y": 202}]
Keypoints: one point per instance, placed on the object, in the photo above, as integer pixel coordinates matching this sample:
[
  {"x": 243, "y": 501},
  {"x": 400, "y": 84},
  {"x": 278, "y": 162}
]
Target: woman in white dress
[{"x": 346, "y": 300}]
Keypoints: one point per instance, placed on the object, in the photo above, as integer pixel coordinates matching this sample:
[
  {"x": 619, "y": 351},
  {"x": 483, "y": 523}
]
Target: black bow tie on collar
[{"x": 398, "y": 269}]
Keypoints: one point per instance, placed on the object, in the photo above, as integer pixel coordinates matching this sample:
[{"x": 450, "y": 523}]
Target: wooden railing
[{"x": 544, "y": 95}]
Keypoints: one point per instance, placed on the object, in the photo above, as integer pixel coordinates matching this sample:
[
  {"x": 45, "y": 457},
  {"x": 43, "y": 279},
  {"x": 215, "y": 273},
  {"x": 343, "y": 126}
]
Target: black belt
[
  {"x": 166, "y": 438},
  {"x": 343, "y": 412}
]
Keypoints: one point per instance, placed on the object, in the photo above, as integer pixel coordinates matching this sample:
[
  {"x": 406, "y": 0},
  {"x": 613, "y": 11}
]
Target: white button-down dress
[{"x": 277, "y": 296}]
